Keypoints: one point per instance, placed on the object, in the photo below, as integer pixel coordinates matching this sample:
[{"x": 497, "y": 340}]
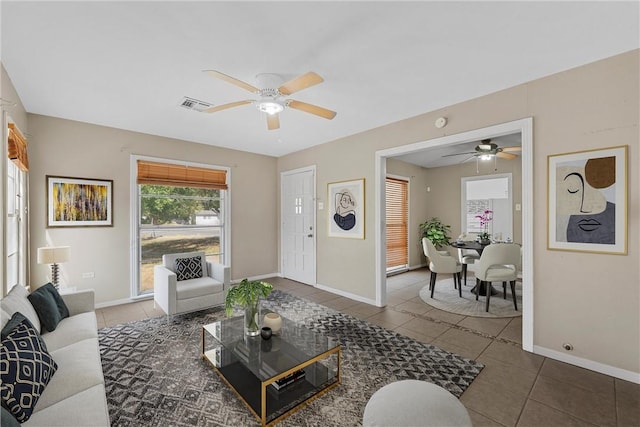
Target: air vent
[{"x": 194, "y": 104}]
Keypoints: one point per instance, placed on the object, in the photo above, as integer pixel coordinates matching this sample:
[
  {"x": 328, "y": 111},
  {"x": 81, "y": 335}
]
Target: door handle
[{"x": 309, "y": 235}]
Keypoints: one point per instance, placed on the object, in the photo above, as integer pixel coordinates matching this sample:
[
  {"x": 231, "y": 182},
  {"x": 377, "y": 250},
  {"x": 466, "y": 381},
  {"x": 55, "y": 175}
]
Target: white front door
[{"x": 298, "y": 225}]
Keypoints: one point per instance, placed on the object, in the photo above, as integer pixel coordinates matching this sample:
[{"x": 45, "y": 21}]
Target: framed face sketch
[
  {"x": 346, "y": 209},
  {"x": 588, "y": 201}
]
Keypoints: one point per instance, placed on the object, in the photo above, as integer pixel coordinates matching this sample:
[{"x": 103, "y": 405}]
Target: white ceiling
[{"x": 128, "y": 64}]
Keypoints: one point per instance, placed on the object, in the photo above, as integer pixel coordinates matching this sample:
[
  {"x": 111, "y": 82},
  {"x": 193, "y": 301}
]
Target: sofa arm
[
  {"x": 80, "y": 301},
  {"x": 164, "y": 288},
  {"x": 220, "y": 272}
]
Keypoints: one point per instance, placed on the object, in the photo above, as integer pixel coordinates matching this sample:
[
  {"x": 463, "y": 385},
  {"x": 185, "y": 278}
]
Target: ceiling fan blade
[
  {"x": 507, "y": 156},
  {"x": 312, "y": 109},
  {"x": 301, "y": 82},
  {"x": 273, "y": 121},
  {"x": 511, "y": 149},
  {"x": 458, "y": 154},
  {"x": 225, "y": 106},
  {"x": 232, "y": 80}
]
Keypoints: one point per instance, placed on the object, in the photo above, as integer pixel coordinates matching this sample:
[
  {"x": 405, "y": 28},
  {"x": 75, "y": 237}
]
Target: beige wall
[
  {"x": 67, "y": 148},
  {"x": 589, "y": 300}
]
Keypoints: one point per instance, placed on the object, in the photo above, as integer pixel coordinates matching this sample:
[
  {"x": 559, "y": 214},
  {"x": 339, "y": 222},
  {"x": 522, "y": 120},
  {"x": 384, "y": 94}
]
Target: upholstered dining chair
[
  {"x": 499, "y": 263},
  {"x": 467, "y": 256},
  {"x": 439, "y": 263}
]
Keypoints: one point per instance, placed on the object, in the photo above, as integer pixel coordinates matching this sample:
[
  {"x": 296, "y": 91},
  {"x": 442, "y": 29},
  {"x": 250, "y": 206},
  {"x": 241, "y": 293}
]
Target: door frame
[
  {"x": 312, "y": 169},
  {"x": 525, "y": 127}
]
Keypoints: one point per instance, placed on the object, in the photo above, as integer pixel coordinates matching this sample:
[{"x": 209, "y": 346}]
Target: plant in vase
[
  {"x": 485, "y": 219},
  {"x": 437, "y": 232},
  {"x": 246, "y": 295}
]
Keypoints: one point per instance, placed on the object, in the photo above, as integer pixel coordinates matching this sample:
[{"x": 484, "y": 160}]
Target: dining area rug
[
  {"x": 155, "y": 376},
  {"x": 446, "y": 298}
]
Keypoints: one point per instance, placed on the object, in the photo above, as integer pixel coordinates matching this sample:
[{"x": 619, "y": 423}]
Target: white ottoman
[{"x": 415, "y": 403}]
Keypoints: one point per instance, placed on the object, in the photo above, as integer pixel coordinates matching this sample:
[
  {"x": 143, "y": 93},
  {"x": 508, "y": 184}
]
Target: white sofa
[
  {"x": 183, "y": 296},
  {"x": 75, "y": 395}
]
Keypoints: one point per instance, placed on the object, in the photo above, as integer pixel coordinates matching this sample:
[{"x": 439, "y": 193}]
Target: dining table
[{"x": 478, "y": 247}]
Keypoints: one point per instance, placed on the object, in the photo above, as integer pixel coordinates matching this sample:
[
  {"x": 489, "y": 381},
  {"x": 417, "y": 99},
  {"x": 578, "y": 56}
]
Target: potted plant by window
[
  {"x": 437, "y": 232},
  {"x": 484, "y": 238},
  {"x": 246, "y": 295}
]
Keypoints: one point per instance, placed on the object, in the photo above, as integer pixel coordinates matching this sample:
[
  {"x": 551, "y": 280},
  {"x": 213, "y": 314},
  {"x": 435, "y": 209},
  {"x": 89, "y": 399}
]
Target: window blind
[
  {"x": 17, "y": 148},
  {"x": 155, "y": 173},
  {"x": 397, "y": 222}
]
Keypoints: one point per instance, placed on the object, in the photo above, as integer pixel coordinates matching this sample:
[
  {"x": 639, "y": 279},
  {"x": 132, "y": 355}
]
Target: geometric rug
[
  {"x": 154, "y": 375},
  {"x": 446, "y": 298}
]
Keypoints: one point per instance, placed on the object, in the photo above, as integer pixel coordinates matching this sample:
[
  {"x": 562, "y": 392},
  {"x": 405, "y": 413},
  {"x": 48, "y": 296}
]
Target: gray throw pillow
[{"x": 49, "y": 305}]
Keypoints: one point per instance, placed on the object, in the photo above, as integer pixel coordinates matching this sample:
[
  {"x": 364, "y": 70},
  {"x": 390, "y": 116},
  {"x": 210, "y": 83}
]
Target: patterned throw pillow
[
  {"x": 188, "y": 268},
  {"x": 25, "y": 370}
]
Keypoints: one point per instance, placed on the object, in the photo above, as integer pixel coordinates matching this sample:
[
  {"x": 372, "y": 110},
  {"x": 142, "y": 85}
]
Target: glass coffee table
[{"x": 272, "y": 377}]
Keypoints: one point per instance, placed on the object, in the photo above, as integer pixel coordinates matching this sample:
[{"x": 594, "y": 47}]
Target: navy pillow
[
  {"x": 49, "y": 305},
  {"x": 188, "y": 268},
  {"x": 25, "y": 370}
]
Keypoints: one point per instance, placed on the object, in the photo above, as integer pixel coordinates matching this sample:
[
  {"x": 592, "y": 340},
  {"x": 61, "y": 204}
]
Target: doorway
[{"x": 522, "y": 126}]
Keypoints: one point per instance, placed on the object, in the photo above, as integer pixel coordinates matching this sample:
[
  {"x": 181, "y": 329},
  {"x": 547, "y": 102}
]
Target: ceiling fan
[
  {"x": 272, "y": 100},
  {"x": 488, "y": 150}
]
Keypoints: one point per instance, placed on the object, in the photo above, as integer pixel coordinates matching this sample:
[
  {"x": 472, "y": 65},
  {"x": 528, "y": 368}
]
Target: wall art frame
[
  {"x": 79, "y": 202},
  {"x": 346, "y": 210},
  {"x": 587, "y": 201}
]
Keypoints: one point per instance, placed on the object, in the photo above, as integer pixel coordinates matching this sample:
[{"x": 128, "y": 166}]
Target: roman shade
[
  {"x": 397, "y": 222},
  {"x": 17, "y": 148},
  {"x": 155, "y": 173}
]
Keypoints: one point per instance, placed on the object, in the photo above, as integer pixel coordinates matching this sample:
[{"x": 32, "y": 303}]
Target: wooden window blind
[
  {"x": 17, "y": 148},
  {"x": 155, "y": 173},
  {"x": 397, "y": 191}
]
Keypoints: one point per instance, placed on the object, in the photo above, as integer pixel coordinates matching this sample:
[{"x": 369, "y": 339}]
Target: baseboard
[
  {"x": 612, "y": 371},
  {"x": 117, "y": 302},
  {"x": 417, "y": 267},
  {"x": 263, "y": 276},
  {"x": 346, "y": 294}
]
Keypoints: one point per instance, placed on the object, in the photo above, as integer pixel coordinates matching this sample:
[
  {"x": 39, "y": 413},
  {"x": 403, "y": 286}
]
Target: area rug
[
  {"x": 446, "y": 298},
  {"x": 154, "y": 375}
]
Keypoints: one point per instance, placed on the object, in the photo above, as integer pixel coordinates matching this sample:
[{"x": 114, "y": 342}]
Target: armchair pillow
[
  {"x": 26, "y": 369},
  {"x": 188, "y": 268},
  {"x": 49, "y": 305}
]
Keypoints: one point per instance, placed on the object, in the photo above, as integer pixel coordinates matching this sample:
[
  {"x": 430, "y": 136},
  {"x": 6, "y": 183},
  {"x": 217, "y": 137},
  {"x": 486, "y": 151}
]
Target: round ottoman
[{"x": 415, "y": 403}]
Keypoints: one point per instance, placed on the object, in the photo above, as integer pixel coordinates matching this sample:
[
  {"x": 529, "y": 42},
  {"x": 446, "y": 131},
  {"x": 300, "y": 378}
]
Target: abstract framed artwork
[
  {"x": 346, "y": 209},
  {"x": 79, "y": 202},
  {"x": 588, "y": 201}
]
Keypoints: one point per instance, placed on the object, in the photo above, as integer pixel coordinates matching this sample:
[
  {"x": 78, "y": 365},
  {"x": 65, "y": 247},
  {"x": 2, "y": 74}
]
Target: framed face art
[
  {"x": 79, "y": 202},
  {"x": 588, "y": 201},
  {"x": 346, "y": 209}
]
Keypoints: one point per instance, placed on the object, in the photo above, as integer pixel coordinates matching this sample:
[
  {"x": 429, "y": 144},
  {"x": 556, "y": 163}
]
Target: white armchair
[{"x": 203, "y": 283}]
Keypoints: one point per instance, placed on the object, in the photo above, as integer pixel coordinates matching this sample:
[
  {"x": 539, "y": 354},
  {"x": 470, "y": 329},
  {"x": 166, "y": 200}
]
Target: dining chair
[
  {"x": 499, "y": 263},
  {"x": 467, "y": 256},
  {"x": 439, "y": 263}
]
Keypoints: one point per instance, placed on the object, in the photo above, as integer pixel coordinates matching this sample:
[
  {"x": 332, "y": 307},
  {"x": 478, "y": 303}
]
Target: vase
[
  {"x": 252, "y": 319},
  {"x": 274, "y": 321}
]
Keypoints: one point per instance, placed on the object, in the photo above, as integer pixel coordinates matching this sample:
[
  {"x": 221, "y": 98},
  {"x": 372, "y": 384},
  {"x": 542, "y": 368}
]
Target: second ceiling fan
[
  {"x": 272, "y": 99},
  {"x": 487, "y": 150}
]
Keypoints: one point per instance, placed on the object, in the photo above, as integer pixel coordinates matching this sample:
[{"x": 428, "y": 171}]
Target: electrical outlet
[{"x": 89, "y": 275}]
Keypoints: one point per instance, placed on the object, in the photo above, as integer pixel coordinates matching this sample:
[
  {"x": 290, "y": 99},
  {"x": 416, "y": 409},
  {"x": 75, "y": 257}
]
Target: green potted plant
[
  {"x": 246, "y": 295},
  {"x": 437, "y": 232}
]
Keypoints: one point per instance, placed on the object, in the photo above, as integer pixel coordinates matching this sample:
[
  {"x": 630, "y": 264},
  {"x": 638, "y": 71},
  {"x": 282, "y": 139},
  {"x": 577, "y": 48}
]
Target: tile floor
[{"x": 515, "y": 388}]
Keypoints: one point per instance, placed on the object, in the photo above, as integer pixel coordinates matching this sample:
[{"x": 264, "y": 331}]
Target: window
[
  {"x": 397, "y": 193},
  {"x": 493, "y": 193},
  {"x": 180, "y": 208}
]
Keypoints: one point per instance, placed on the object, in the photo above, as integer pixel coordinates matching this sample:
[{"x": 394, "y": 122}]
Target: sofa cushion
[
  {"x": 198, "y": 287},
  {"x": 87, "y": 408},
  {"x": 25, "y": 368},
  {"x": 79, "y": 368},
  {"x": 188, "y": 268},
  {"x": 72, "y": 330},
  {"x": 7, "y": 419},
  {"x": 16, "y": 300},
  {"x": 49, "y": 305},
  {"x": 169, "y": 260}
]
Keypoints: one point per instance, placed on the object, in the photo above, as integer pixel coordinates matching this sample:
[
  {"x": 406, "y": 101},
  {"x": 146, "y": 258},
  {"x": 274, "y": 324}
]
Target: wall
[
  {"x": 589, "y": 300},
  {"x": 67, "y": 148}
]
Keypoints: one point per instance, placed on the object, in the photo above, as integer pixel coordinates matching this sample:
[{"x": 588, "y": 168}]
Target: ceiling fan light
[
  {"x": 486, "y": 156},
  {"x": 485, "y": 146},
  {"x": 270, "y": 107}
]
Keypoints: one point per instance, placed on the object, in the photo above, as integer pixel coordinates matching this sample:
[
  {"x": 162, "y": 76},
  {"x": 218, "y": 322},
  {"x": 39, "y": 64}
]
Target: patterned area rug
[
  {"x": 154, "y": 375},
  {"x": 446, "y": 298}
]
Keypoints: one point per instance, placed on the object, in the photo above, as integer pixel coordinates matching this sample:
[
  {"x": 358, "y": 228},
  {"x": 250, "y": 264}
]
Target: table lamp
[{"x": 53, "y": 255}]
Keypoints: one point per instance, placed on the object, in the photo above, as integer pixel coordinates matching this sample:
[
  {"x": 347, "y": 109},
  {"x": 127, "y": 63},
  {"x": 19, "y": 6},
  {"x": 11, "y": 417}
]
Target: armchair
[{"x": 202, "y": 285}]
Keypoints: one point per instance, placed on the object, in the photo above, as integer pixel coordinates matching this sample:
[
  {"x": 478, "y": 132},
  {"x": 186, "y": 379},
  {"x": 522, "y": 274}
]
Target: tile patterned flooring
[{"x": 515, "y": 388}]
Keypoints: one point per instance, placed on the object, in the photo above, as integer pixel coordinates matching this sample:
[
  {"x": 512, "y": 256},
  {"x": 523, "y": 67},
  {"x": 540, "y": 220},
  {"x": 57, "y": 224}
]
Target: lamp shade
[{"x": 53, "y": 254}]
